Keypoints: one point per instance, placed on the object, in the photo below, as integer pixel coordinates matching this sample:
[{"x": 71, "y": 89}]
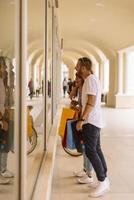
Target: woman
[{"x": 85, "y": 175}]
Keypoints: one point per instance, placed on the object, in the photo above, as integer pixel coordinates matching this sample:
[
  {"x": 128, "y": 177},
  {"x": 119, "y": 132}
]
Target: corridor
[{"x": 44, "y": 45}]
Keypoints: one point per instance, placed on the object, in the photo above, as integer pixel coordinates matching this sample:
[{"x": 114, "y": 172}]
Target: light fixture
[
  {"x": 92, "y": 19},
  {"x": 100, "y": 4}
]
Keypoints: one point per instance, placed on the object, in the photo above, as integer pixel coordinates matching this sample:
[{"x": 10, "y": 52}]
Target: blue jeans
[
  {"x": 91, "y": 136},
  {"x": 86, "y": 162}
]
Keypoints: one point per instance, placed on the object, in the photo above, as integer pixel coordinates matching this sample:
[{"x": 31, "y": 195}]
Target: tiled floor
[{"x": 118, "y": 146}]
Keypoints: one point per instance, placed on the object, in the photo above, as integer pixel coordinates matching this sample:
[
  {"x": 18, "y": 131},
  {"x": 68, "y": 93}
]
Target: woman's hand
[{"x": 79, "y": 125}]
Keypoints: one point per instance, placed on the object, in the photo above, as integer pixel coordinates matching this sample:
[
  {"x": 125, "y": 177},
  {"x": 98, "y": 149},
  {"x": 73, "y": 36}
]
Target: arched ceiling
[
  {"x": 100, "y": 27},
  {"x": 34, "y": 56},
  {"x": 77, "y": 55},
  {"x": 69, "y": 60},
  {"x": 105, "y": 24},
  {"x": 85, "y": 46},
  {"x": 82, "y": 51}
]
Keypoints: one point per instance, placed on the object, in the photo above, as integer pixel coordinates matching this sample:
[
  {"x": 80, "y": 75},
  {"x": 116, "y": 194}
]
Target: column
[
  {"x": 96, "y": 69},
  {"x": 106, "y": 76},
  {"x": 112, "y": 80},
  {"x": 120, "y": 73},
  {"x": 101, "y": 75},
  {"x": 125, "y": 75}
]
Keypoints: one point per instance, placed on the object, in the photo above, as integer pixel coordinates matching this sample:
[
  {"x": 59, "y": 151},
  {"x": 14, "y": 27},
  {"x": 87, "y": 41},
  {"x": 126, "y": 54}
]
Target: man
[
  {"x": 70, "y": 83},
  {"x": 37, "y": 88},
  {"x": 64, "y": 86},
  {"x": 84, "y": 175},
  {"x": 31, "y": 88},
  {"x": 91, "y": 123}
]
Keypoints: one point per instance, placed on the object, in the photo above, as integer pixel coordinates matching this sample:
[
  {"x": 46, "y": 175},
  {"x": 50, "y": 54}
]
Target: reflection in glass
[
  {"x": 49, "y": 67},
  {"x": 35, "y": 94},
  {"x": 7, "y": 106}
]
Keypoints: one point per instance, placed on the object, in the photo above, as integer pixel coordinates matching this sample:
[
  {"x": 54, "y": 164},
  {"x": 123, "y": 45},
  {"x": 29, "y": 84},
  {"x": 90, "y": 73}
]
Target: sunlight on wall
[{"x": 130, "y": 74}]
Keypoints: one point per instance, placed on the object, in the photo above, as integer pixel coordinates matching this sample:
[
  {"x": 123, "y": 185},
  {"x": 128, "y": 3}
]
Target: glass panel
[
  {"x": 49, "y": 67},
  {"x": 8, "y": 168},
  {"x": 35, "y": 95}
]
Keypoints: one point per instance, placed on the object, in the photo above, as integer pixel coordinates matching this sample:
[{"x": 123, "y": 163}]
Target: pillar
[
  {"x": 120, "y": 74},
  {"x": 125, "y": 75}
]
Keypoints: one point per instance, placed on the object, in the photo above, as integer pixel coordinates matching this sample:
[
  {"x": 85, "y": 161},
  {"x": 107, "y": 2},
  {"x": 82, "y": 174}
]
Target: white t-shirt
[{"x": 91, "y": 86}]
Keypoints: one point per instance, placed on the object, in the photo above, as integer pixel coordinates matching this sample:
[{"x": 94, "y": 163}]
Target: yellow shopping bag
[
  {"x": 29, "y": 125},
  {"x": 67, "y": 113}
]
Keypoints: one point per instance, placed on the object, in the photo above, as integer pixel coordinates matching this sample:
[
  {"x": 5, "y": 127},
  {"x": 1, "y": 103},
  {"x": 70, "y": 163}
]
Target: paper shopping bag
[{"x": 67, "y": 113}]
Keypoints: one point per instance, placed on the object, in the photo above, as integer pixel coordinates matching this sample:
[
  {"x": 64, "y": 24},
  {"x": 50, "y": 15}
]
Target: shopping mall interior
[{"x": 40, "y": 44}]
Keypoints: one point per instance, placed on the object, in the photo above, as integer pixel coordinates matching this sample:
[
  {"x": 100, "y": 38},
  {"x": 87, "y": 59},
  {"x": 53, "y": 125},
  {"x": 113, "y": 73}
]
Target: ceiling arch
[
  {"x": 34, "y": 44},
  {"x": 86, "y": 46},
  {"x": 83, "y": 52},
  {"x": 78, "y": 55},
  {"x": 34, "y": 55},
  {"x": 39, "y": 61},
  {"x": 69, "y": 60}
]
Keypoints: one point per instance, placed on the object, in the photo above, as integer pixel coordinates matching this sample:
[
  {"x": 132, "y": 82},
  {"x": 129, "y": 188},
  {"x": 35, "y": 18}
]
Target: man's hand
[{"x": 79, "y": 125}]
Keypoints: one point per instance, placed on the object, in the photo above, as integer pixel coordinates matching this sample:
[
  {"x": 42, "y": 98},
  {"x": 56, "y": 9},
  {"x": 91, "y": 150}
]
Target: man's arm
[{"x": 88, "y": 108}]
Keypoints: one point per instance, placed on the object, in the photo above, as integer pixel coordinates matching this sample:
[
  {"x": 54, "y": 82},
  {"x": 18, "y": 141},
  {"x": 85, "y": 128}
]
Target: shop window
[
  {"x": 35, "y": 91},
  {"x": 49, "y": 88},
  {"x": 8, "y": 152}
]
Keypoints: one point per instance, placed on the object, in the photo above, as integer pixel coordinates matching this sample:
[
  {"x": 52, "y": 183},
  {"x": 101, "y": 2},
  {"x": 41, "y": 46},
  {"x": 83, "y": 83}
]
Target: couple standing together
[{"x": 90, "y": 123}]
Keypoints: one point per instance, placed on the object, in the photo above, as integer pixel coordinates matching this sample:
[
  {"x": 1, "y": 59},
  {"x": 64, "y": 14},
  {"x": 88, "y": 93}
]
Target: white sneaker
[
  {"x": 79, "y": 173},
  {"x": 4, "y": 181},
  {"x": 100, "y": 190},
  {"x": 107, "y": 180},
  {"x": 85, "y": 180},
  {"x": 7, "y": 174},
  {"x": 95, "y": 184}
]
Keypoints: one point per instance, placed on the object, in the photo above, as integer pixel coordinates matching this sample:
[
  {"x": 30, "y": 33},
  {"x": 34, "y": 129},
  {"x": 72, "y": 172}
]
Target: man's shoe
[
  {"x": 7, "y": 174},
  {"x": 101, "y": 189},
  {"x": 107, "y": 180},
  {"x": 95, "y": 184},
  {"x": 79, "y": 173},
  {"x": 4, "y": 181},
  {"x": 85, "y": 180}
]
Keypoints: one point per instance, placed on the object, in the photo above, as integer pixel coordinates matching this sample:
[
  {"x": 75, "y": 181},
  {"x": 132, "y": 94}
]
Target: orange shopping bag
[
  {"x": 67, "y": 113},
  {"x": 29, "y": 124}
]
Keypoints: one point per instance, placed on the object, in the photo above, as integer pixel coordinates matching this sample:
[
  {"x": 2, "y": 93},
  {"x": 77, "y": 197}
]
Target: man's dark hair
[{"x": 84, "y": 61}]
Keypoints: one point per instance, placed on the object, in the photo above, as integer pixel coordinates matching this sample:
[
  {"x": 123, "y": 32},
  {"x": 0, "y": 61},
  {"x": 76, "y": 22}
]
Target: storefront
[{"x": 30, "y": 85}]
